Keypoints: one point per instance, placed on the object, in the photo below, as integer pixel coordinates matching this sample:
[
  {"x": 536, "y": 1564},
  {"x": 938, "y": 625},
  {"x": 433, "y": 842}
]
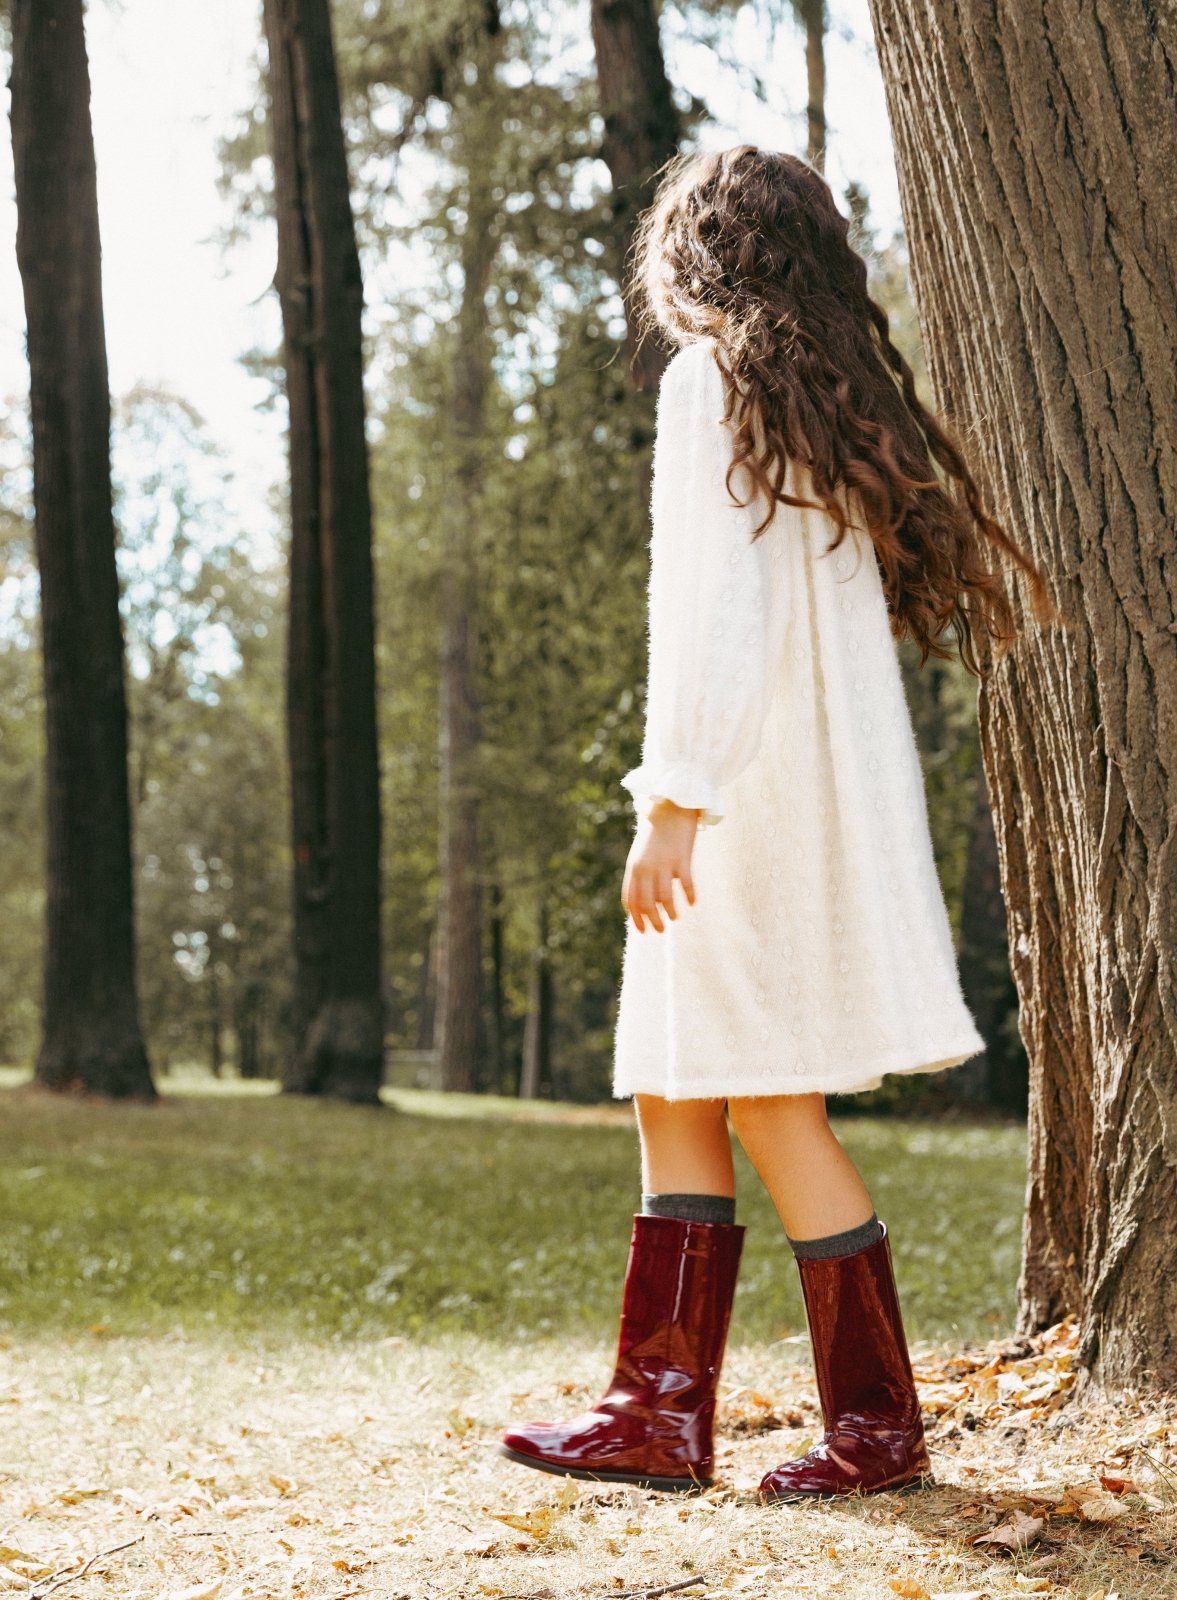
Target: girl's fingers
[{"x": 646, "y": 897}]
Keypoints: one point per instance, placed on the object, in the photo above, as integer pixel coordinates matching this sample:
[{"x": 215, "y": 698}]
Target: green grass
[{"x": 245, "y": 1212}]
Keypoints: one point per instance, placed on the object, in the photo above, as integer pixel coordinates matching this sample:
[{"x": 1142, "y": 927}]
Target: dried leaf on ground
[
  {"x": 1015, "y": 1534},
  {"x": 540, "y": 1522}
]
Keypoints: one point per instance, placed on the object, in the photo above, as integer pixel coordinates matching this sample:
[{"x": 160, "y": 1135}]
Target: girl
[{"x": 799, "y": 530}]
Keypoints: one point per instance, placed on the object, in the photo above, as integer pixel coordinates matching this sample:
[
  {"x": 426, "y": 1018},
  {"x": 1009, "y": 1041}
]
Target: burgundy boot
[
  {"x": 874, "y": 1436},
  {"x": 653, "y": 1424}
]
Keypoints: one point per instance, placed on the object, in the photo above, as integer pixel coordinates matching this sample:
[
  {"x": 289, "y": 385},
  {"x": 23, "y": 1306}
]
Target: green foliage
[
  {"x": 207, "y": 759},
  {"x": 464, "y": 1215}
]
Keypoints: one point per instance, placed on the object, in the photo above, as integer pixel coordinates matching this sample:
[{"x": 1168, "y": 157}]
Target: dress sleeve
[{"x": 706, "y": 689}]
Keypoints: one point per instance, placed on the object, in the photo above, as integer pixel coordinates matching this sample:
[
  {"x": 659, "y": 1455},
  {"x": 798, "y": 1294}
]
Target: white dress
[{"x": 818, "y": 953}]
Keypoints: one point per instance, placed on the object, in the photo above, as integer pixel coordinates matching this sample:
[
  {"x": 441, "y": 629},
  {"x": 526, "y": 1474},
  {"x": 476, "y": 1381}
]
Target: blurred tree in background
[{"x": 90, "y": 1031}]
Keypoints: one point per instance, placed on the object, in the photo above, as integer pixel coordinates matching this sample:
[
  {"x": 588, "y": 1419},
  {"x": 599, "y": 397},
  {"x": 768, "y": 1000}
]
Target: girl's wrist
[{"x": 661, "y": 810}]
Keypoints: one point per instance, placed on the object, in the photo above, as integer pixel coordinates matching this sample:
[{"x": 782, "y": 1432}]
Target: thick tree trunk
[
  {"x": 1037, "y": 155},
  {"x": 331, "y": 683},
  {"x": 812, "y": 14},
  {"x": 91, "y": 1038},
  {"x": 641, "y": 135}
]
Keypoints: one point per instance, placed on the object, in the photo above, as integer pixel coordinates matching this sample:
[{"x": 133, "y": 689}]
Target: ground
[
  {"x": 176, "y": 1422},
  {"x": 302, "y": 1469}
]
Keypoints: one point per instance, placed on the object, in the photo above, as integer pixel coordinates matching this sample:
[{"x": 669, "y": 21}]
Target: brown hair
[{"x": 748, "y": 247}]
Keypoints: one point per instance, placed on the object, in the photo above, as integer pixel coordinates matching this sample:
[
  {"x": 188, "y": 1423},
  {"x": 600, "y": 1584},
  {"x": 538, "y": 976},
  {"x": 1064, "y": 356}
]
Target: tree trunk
[
  {"x": 91, "y": 1035},
  {"x": 247, "y": 1028},
  {"x": 641, "y": 135},
  {"x": 537, "y": 1029},
  {"x": 984, "y": 965},
  {"x": 331, "y": 678},
  {"x": 216, "y": 1030},
  {"x": 1037, "y": 156},
  {"x": 498, "y": 1043},
  {"x": 812, "y": 14},
  {"x": 427, "y": 994},
  {"x": 461, "y": 1029}
]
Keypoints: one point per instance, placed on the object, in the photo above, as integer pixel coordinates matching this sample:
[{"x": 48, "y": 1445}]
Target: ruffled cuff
[{"x": 685, "y": 786}]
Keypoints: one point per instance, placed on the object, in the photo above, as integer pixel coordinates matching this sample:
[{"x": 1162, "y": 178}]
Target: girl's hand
[{"x": 661, "y": 852}]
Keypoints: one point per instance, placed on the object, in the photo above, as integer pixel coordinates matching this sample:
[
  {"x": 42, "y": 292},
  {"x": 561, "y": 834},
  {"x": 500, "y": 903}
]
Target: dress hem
[{"x": 828, "y": 1084}]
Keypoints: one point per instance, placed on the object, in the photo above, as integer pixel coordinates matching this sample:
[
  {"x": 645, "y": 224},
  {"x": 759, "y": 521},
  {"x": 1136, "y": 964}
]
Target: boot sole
[
  {"x": 923, "y": 1480},
  {"x": 681, "y": 1485}
]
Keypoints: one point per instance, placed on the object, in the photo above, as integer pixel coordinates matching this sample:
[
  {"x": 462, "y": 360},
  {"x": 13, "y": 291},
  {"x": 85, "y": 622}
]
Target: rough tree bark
[
  {"x": 91, "y": 1036},
  {"x": 1037, "y": 154},
  {"x": 331, "y": 677},
  {"x": 641, "y": 135}
]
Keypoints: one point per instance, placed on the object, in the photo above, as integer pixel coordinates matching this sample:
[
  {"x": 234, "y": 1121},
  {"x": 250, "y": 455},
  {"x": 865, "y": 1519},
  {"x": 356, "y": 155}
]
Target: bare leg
[
  {"x": 686, "y": 1148},
  {"x": 814, "y": 1185}
]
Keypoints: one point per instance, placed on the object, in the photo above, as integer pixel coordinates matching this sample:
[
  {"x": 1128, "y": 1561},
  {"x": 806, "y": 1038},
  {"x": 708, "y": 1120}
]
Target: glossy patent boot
[
  {"x": 653, "y": 1425},
  {"x": 874, "y": 1436}
]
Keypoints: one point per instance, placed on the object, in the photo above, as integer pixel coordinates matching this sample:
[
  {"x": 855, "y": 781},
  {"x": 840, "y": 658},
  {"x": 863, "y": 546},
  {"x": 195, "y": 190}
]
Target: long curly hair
[{"x": 748, "y": 247}]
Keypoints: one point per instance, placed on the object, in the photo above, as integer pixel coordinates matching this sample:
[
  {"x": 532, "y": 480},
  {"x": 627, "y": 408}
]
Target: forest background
[{"x": 559, "y": 545}]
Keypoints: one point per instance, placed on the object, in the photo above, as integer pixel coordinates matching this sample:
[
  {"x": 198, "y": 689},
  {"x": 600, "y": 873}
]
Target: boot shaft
[
  {"x": 676, "y": 1306},
  {"x": 860, "y": 1351}
]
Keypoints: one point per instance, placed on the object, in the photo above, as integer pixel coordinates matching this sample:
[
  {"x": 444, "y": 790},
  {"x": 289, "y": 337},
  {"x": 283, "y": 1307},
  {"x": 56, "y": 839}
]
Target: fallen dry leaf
[
  {"x": 1118, "y": 1485},
  {"x": 909, "y": 1588},
  {"x": 539, "y": 1523},
  {"x": 1094, "y": 1505},
  {"x": 78, "y": 1492},
  {"x": 1014, "y": 1534},
  {"x": 18, "y": 1569}
]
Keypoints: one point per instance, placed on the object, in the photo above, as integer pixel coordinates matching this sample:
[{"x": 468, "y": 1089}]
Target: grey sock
[
  {"x": 690, "y": 1207},
  {"x": 839, "y": 1244}
]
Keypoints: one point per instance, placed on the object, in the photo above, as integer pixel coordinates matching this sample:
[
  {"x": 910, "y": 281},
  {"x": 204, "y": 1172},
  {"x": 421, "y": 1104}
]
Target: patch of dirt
[{"x": 193, "y": 1470}]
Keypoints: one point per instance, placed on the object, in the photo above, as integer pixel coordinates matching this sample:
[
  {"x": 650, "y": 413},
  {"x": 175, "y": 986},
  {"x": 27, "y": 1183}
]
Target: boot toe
[
  {"x": 803, "y": 1479},
  {"x": 540, "y": 1440},
  {"x": 582, "y": 1443},
  {"x": 823, "y": 1475}
]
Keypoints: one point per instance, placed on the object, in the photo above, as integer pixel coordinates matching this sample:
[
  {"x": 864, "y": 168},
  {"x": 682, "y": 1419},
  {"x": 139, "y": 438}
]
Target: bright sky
[{"x": 167, "y": 78}]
